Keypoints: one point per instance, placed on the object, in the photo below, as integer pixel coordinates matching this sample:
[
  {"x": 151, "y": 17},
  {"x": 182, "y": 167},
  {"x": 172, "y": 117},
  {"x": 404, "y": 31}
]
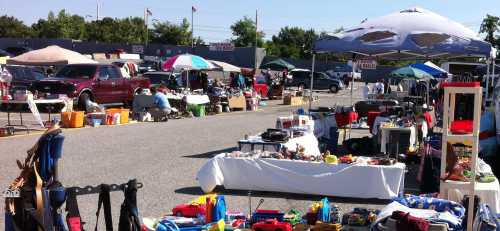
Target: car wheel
[
  {"x": 257, "y": 229},
  {"x": 278, "y": 230},
  {"x": 178, "y": 214},
  {"x": 82, "y": 101},
  {"x": 334, "y": 89}
]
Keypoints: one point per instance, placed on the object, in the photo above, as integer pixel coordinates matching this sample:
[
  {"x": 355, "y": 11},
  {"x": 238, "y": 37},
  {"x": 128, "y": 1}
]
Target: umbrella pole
[
  {"x": 312, "y": 82},
  {"x": 492, "y": 74}
]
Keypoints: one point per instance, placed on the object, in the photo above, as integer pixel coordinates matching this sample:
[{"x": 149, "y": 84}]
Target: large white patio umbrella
[{"x": 414, "y": 33}]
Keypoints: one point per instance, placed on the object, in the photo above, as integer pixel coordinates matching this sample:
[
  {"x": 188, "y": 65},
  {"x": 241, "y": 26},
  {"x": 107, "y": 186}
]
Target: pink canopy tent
[{"x": 51, "y": 55}]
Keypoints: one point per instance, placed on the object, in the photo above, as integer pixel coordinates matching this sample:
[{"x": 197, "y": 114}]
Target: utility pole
[
  {"x": 192, "y": 27},
  {"x": 256, "y": 36},
  {"x": 97, "y": 13}
]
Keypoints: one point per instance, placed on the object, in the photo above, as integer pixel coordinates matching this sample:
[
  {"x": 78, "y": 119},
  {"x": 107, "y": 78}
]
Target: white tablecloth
[
  {"x": 384, "y": 136},
  {"x": 488, "y": 192},
  {"x": 358, "y": 181},
  {"x": 308, "y": 141},
  {"x": 197, "y": 99}
]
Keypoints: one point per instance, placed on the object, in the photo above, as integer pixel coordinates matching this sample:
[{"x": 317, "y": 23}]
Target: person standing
[{"x": 366, "y": 91}]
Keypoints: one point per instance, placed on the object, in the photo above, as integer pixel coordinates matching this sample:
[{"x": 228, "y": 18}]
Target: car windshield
[{"x": 77, "y": 72}]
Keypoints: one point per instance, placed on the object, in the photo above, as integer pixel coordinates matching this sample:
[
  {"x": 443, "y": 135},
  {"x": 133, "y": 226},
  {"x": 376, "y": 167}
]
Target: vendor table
[
  {"x": 292, "y": 176},
  {"x": 488, "y": 192},
  {"x": 385, "y": 131},
  {"x": 10, "y": 104},
  {"x": 308, "y": 141}
]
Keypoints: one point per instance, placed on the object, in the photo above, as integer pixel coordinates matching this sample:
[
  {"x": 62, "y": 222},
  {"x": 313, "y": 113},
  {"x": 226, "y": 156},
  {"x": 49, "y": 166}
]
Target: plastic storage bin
[
  {"x": 72, "y": 119},
  {"x": 197, "y": 109},
  {"x": 124, "y": 113}
]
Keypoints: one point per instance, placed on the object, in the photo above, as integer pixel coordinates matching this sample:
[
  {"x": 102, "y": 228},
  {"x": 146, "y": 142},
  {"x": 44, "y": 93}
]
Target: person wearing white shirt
[
  {"x": 366, "y": 91},
  {"x": 379, "y": 88}
]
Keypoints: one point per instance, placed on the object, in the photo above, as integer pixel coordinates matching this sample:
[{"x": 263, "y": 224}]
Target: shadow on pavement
[
  {"x": 212, "y": 153},
  {"x": 293, "y": 196}
]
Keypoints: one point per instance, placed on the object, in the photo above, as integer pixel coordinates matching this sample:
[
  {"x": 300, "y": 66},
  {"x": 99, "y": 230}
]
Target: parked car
[
  {"x": 100, "y": 83},
  {"x": 23, "y": 77},
  {"x": 168, "y": 79},
  {"x": 344, "y": 72},
  {"x": 148, "y": 66},
  {"x": 301, "y": 79}
]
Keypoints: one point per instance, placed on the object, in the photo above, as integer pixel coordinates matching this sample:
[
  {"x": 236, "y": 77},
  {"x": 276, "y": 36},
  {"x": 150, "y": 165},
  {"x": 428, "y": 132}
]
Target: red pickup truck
[{"x": 101, "y": 83}]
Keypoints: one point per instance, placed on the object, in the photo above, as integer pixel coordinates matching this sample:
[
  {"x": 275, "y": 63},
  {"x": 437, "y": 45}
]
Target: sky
[{"x": 213, "y": 18}]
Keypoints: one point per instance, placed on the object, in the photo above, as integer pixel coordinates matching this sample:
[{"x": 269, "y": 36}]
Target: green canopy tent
[
  {"x": 278, "y": 65},
  {"x": 410, "y": 72}
]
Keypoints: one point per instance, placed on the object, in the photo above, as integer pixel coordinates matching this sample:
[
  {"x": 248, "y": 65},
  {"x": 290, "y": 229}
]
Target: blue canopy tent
[
  {"x": 431, "y": 70},
  {"x": 409, "y": 34}
]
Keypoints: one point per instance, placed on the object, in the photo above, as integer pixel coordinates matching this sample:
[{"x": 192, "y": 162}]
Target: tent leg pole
[
  {"x": 488, "y": 63},
  {"x": 312, "y": 82},
  {"x": 492, "y": 74}
]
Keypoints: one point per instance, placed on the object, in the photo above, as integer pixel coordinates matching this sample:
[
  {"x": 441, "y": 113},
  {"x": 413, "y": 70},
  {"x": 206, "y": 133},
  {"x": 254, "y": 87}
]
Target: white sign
[
  {"x": 221, "y": 47},
  {"x": 366, "y": 64}
]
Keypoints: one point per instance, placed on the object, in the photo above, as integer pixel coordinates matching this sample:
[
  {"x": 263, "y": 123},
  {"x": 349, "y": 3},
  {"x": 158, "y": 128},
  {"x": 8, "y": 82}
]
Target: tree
[
  {"x": 292, "y": 42},
  {"x": 490, "y": 26},
  {"x": 169, "y": 33},
  {"x": 245, "y": 32},
  {"x": 64, "y": 25},
  {"x": 11, "y": 27}
]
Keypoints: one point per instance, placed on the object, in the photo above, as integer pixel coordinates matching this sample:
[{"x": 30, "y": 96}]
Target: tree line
[{"x": 290, "y": 42}]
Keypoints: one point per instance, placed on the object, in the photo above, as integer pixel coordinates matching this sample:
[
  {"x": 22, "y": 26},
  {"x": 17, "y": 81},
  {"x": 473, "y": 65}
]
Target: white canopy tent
[
  {"x": 226, "y": 67},
  {"x": 51, "y": 55}
]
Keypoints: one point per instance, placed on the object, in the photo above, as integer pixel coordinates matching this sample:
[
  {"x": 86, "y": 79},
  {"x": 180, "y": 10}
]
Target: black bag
[
  {"x": 73, "y": 218},
  {"x": 129, "y": 214},
  {"x": 275, "y": 135},
  {"x": 105, "y": 199}
]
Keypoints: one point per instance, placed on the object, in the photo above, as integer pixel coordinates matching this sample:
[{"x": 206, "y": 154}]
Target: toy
[
  {"x": 320, "y": 226},
  {"x": 263, "y": 215},
  {"x": 272, "y": 225},
  {"x": 190, "y": 210},
  {"x": 348, "y": 159},
  {"x": 331, "y": 159},
  {"x": 293, "y": 217},
  {"x": 360, "y": 217}
]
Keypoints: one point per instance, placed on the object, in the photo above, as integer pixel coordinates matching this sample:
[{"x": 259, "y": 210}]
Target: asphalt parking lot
[{"x": 165, "y": 157}]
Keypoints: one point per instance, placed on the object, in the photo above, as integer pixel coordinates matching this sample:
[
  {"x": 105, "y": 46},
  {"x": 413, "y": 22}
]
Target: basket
[{"x": 72, "y": 119}]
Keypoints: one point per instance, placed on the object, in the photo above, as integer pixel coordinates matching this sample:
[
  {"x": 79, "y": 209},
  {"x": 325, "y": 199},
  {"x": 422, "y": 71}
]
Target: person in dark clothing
[{"x": 387, "y": 87}]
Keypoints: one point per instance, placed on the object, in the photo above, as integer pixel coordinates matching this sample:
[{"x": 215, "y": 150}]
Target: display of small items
[{"x": 360, "y": 217}]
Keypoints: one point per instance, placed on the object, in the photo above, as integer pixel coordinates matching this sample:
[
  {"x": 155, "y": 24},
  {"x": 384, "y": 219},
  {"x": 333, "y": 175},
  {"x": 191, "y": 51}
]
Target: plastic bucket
[{"x": 72, "y": 119}]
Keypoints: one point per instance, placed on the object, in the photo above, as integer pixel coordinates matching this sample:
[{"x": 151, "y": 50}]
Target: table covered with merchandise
[{"x": 304, "y": 177}]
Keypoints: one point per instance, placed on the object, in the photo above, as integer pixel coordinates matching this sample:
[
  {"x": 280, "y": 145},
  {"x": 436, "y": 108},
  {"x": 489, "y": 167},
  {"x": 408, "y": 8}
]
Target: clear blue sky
[{"x": 214, "y": 17}]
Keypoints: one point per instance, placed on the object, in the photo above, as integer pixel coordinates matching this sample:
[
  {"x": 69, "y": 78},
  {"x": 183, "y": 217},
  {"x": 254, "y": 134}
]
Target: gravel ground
[{"x": 165, "y": 157}]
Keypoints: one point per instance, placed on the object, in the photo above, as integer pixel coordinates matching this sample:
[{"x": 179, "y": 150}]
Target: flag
[
  {"x": 193, "y": 9},
  {"x": 148, "y": 12}
]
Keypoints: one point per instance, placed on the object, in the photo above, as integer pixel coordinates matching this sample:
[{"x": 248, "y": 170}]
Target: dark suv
[{"x": 321, "y": 81}]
